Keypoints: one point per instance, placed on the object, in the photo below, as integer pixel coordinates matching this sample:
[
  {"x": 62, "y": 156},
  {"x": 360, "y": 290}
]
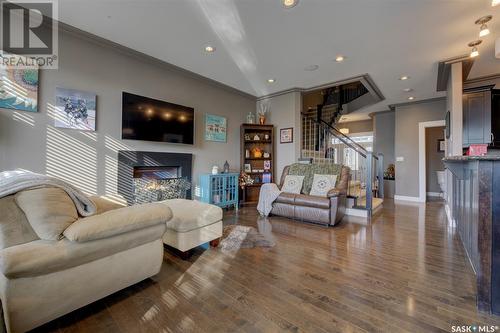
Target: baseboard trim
[
  {"x": 356, "y": 212},
  {"x": 406, "y": 198},
  {"x": 434, "y": 194},
  {"x": 448, "y": 213}
]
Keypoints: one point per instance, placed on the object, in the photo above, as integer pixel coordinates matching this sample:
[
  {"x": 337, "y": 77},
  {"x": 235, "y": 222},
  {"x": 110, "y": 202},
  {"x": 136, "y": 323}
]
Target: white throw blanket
[
  {"x": 12, "y": 182},
  {"x": 268, "y": 194}
]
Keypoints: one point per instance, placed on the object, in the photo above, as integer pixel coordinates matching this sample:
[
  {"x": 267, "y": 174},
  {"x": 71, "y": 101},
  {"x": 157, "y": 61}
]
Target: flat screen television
[{"x": 149, "y": 119}]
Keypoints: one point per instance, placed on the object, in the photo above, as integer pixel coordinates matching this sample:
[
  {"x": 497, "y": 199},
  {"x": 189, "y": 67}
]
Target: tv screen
[{"x": 149, "y": 119}]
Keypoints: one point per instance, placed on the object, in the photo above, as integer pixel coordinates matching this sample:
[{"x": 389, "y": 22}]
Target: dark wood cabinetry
[
  {"x": 495, "y": 117},
  {"x": 254, "y": 139},
  {"x": 476, "y": 211},
  {"x": 477, "y": 118}
]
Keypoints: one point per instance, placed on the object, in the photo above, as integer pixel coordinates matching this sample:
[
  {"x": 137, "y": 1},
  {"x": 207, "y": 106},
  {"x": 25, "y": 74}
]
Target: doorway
[{"x": 431, "y": 151}]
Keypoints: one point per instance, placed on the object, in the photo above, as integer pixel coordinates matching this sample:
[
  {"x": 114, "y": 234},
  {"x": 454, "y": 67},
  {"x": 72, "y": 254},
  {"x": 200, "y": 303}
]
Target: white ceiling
[{"x": 259, "y": 39}]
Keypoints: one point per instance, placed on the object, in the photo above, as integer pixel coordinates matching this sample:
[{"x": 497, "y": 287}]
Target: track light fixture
[
  {"x": 474, "y": 52},
  {"x": 484, "y": 31}
]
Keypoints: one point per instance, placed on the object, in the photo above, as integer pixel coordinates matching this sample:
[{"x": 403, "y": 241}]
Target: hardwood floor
[{"x": 405, "y": 272}]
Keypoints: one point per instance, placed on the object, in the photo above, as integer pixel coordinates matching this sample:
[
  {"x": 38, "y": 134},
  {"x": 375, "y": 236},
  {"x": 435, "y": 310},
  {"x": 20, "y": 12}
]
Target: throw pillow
[
  {"x": 292, "y": 184},
  {"x": 322, "y": 184},
  {"x": 49, "y": 211}
]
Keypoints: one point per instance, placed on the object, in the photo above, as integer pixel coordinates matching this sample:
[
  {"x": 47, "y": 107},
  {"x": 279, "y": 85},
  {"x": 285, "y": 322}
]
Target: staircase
[{"x": 322, "y": 142}]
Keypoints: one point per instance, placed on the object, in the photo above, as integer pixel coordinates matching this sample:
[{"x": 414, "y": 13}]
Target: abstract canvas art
[
  {"x": 75, "y": 109},
  {"x": 19, "y": 88},
  {"x": 215, "y": 128}
]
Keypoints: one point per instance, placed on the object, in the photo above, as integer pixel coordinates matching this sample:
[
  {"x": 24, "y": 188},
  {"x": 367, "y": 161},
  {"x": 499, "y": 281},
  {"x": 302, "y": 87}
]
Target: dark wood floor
[{"x": 405, "y": 272}]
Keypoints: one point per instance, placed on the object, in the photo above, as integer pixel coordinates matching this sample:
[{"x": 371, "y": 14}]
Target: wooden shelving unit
[{"x": 250, "y": 195}]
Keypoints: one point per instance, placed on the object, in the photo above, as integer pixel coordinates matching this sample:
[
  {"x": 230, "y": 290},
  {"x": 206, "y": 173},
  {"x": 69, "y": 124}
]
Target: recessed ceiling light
[
  {"x": 339, "y": 58},
  {"x": 495, "y": 3},
  {"x": 271, "y": 80},
  {"x": 404, "y": 78},
  {"x": 209, "y": 48},
  {"x": 311, "y": 68},
  {"x": 411, "y": 98},
  {"x": 407, "y": 89},
  {"x": 290, "y": 3}
]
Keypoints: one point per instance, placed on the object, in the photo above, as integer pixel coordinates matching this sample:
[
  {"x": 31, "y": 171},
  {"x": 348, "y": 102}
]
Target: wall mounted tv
[{"x": 149, "y": 119}]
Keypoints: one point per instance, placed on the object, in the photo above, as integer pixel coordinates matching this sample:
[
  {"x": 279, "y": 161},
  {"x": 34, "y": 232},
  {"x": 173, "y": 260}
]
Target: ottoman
[{"x": 193, "y": 223}]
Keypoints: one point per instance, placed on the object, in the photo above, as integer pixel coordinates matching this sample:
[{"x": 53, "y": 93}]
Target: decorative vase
[
  {"x": 215, "y": 170},
  {"x": 226, "y": 167},
  {"x": 262, "y": 119},
  {"x": 250, "y": 118}
]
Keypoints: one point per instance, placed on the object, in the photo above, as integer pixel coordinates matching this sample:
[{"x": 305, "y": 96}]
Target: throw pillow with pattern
[
  {"x": 322, "y": 184},
  {"x": 293, "y": 184}
]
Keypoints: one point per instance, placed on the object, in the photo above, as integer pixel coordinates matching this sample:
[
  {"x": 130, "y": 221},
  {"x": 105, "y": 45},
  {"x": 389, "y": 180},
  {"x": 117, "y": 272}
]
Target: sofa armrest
[
  {"x": 337, "y": 205},
  {"x": 118, "y": 221},
  {"x": 335, "y": 192}
]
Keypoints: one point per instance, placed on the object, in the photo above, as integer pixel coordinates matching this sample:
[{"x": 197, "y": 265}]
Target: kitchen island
[{"x": 475, "y": 208}]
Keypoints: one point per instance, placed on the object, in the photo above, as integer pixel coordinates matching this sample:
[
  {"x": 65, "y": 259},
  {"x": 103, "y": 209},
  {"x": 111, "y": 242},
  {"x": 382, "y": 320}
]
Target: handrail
[
  {"x": 341, "y": 136},
  {"x": 345, "y": 139}
]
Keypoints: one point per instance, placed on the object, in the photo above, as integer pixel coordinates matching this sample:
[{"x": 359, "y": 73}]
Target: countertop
[{"x": 471, "y": 158}]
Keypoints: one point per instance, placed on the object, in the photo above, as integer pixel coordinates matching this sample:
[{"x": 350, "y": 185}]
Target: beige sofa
[{"x": 52, "y": 261}]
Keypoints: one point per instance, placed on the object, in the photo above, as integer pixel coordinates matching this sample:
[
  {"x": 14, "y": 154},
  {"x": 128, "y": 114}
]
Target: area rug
[{"x": 235, "y": 237}]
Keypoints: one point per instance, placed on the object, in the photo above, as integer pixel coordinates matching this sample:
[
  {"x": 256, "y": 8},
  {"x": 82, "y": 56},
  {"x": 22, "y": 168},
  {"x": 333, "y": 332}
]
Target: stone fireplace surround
[{"x": 130, "y": 162}]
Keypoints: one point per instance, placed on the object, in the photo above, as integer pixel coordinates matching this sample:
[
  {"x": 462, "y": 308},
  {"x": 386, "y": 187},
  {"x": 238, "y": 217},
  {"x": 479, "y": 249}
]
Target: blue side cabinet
[{"x": 220, "y": 190}]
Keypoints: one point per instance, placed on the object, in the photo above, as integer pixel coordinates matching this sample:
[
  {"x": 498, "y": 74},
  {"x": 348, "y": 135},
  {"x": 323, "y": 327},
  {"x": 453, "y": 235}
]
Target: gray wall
[
  {"x": 406, "y": 141},
  {"x": 383, "y": 136},
  {"x": 89, "y": 159},
  {"x": 284, "y": 113},
  {"x": 357, "y": 126},
  {"x": 433, "y": 158}
]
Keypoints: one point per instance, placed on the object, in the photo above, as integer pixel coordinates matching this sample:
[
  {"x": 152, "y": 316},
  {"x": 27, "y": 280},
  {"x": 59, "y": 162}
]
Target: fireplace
[
  {"x": 152, "y": 172},
  {"x": 157, "y": 172}
]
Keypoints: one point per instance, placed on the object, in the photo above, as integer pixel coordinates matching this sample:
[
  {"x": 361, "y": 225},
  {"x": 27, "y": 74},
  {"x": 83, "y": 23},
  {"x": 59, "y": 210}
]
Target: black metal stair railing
[{"x": 324, "y": 143}]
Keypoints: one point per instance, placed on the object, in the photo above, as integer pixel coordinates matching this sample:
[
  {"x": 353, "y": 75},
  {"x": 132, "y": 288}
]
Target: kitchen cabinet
[{"x": 477, "y": 118}]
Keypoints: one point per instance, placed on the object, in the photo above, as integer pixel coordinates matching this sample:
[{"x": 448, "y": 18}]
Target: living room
[{"x": 187, "y": 172}]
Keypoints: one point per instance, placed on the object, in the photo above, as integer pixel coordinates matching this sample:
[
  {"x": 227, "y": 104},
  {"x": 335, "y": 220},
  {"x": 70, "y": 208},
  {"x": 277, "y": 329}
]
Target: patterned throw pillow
[
  {"x": 293, "y": 184},
  {"x": 322, "y": 184}
]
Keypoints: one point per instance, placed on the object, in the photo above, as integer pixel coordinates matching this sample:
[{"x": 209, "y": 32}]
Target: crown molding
[
  {"x": 483, "y": 79},
  {"x": 422, "y": 101},
  {"x": 365, "y": 79}
]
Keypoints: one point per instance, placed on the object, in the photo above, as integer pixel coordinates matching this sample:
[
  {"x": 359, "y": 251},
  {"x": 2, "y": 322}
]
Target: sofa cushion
[
  {"x": 118, "y": 221},
  {"x": 286, "y": 198},
  {"x": 43, "y": 257},
  {"x": 49, "y": 211},
  {"x": 292, "y": 184},
  {"x": 189, "y": 214},
  {"x": 308, "y": 171},
  {"x": 14, "y": 227},
  {"x": 312, "y": 201}
]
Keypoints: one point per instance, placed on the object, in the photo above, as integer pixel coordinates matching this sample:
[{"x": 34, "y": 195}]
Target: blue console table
[{"x": 220, "y": 190}]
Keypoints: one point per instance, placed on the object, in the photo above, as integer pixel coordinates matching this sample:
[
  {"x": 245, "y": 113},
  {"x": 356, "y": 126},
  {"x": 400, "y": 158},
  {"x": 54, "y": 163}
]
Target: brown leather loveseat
[{"x": 327, "y": 210}]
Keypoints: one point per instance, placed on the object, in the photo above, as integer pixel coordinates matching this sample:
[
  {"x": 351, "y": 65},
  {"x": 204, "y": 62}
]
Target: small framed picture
[
  {"x": 248, "y": 168},
  {"x": 441, "y": 146},
  {"x": 286, "y": 135},
  {"x": 267, "y": 165}
]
